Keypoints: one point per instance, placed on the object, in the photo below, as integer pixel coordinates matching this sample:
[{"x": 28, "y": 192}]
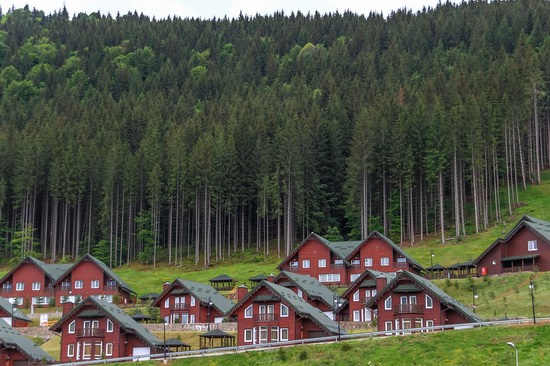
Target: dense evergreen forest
[{"x": 136, "y": 138}]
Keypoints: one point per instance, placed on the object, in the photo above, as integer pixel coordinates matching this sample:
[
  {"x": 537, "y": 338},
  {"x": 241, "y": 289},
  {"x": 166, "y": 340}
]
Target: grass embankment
[{"x": 480, "y": 347}]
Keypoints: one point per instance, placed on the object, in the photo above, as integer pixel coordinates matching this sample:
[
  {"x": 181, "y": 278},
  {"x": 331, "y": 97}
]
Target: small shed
[
  {"x": 461, "y": 270},
  {"x": 255, "y": 281},
  {"x": 436, "y": 271},
  {"x": 152, "y": 296},
  {"x": 142, "y": 318},
  {"x": 211, "y": 339},
  {"x": 222, "y": 282},
  {"x": 174, "y": 345}
]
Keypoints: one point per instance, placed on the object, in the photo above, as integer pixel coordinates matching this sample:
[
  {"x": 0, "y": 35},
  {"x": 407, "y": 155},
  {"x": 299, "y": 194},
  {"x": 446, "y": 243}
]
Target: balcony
[
  {"x": 293, "y": 268},
  {"x": 400, "y": 265},
  {"x": 355, "y": 264},
  {"x": 7, "y": 290},
  {"x": 66, "y": 287},
  {"x": 110, "y": 288},
  {"x": 408, "y": 309},
  {"x": 266, "y": 317},
  {"x": 365, "y": 300},
  {"x": 337, "y": 266},
  {"x": 90, "y": 332},
  {"x": 48, "y": 290},
  {"x": 180, "y": 306}
]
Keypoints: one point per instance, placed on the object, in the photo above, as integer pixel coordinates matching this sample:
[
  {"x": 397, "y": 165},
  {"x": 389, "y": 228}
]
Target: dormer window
[{"x": 532, "y": 245}]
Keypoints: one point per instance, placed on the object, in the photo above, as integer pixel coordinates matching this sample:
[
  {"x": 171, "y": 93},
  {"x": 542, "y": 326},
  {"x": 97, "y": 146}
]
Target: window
[
  {"x": 418, "y": 322},
  {"x": 192, "y": 300},
  {"x": 356, "y": 296},
  {"x": 305, "y": 263},
  {"x": 110, "y": 325},
  {"x": 78, "y": 284},
  {"x": 300, "y": 294},
  {"x": 284, "y": 310},
  {"x": 248, "y": 335},
  {"x": 356, "y": 315},
  {"x": 263, "y": 334},
  {"x": 284, "y": 334},
  {"x": 192, "y": 318},
  {"x": 353, "y": 276},
  {"x": 87, "y": 350},
  {"x": 429, "y": 302},
  {"x": 401, "y": 260},
  {"x": 387, "y": 303},
  {"x": 98, "y": 349},
  {"x": 322, "y": 263},
  {"x": 20, "y": 286},
  {"x": 248, "y": 312},
  {"x": 108, "y": 349},
  {"x": 167, "y": 303},
  {"x": 532, "y": 245},
  {"x": 72, "y": 326},
  {"x": 388, "y": 326},
  {"x": 368, "y": 262},
  {"x": 70, "y": 350},
  {"x": 36, "y": 286},
  {"x": 274, "y": 334},
  {"x": 429, "y": 323},
  {"x": 385, "y": 261},
  {"x": 95, "y": 284},
  {"x": 331, "y": 277}
]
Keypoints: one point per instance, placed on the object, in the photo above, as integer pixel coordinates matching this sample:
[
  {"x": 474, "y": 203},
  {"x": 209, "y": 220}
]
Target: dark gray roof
[
  {"x": 52, "y": 271},
  {"x": 436, "y": 267},
  {"x": 519, "y": 257},
  {"x": 258, "y": 278},
  {"x": 303, "y": 308},
  {"x": 174, "y": 342},
  {"x": 204, "y": 293},
  {"x": 216, "y": 333},
  {"x": 344, "y": 248},
  {"x": 118, "y": 316},
  {"x": 311, "y": 287},
  {"x": 8, "y": 308},
  {"x": 11, "y": 338},
  {"x": 150, "y": 295},
  {"x": 430, "y": 287},
  {"x": 369, "y": 273},
  {"x": 467, "y": 264},
  {"x": 396, "y": 248},
  {"x": 221, "y": 278}
]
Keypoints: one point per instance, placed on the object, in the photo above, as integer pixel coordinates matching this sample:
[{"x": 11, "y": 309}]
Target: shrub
[
  {"x": 302, "y": 356},
  {"x": 282, "y": 355},
  {"x": 345, "y": 346}
]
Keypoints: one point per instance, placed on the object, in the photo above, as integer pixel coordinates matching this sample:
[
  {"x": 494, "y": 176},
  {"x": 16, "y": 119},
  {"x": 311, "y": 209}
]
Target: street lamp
[
  {"x": 474, "y": 297},
  {"x": 532, "y": 289},
  {"x": 208, "y": 315},
  {"x": 337, "y": 304},
  {"x": 514, "y": 347},
  {"x": 432, "y": 264},
  {"x": 164, "y": 329},
  {"x": 13, "y": 308}
]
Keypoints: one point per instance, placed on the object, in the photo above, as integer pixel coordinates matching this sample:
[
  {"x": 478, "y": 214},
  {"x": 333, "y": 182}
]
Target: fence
[{"x": 268, "y": 346}]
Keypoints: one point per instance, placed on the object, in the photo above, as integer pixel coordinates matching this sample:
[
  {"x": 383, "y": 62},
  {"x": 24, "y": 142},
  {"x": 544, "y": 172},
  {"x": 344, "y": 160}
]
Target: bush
[
  {"x": 282, "y": 355},
  {"x": 345, "y": 346},
  {"x": 302, "y": 356}
]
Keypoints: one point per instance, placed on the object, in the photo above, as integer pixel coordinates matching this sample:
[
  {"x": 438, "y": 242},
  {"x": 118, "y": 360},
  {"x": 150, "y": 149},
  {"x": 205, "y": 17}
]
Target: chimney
[
  {"x": 242, "y": 290},
  {"x": 165, "y": 285},
  {"x": 381, "y": 282},
  {"x": 67, "y": 307},
  {"x": 271, "y": 278}
]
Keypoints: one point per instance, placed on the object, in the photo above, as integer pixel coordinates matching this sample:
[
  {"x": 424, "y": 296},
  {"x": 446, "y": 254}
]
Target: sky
[{"x": 207, "y": 9}]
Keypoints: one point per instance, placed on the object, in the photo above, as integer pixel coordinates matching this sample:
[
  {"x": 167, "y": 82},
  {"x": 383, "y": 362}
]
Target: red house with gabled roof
[
  {"x": 12, "y": 315},
  {"x": 16, "y": 349},
  {"x": 31, "y": 282},
  {"x": 340, "y": 263},
  {"x": 91, "y": 277},
  {"x": 273, "y": 313},
  {"x": 364, "y": 288},
  {"x": 184, "y": 301},
  {"x": 525, "y": 248},
  {"x": 411, "y": 301},
  {"x": 95, "y": 329}
]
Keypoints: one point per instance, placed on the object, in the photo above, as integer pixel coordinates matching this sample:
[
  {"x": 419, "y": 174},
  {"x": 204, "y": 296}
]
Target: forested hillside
[{"x": 160, "y": 139}]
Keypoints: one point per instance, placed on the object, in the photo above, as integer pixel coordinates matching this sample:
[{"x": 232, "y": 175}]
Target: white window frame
[
  {"x": 36, "y": 286},
  {"x": 429, "y": 323},
  {"x": 322, "y": 263},
  {"x": 368, "y": 262},
  {"x": 284, "y": 311},
  {"x": 108, "y": 349},
  {"x": 110, "y": 326},
  {"x": 385, "y": 261},
  {"x": 274, "y": 330},
  {"x": 192, "y": 301},
  {"x": 356, "y": 296},
  {"x": 248, "y": 312},
  {"x": 248, "y": 335},
  {"x": 97, "y": 355},
  {"x": 167, "y": 303},
  {"x": 263, "y": 334},
  {"x": 329, "y": 277},
  {"x": 300, "y": 294},
  {"x": 70, "y": 350},
  {"x": 532, "y": 245},
  {"x": 20, "y": 286},
  {"x": 283, "y": 331},
  {"x": 356, "y": 315},
  {"x": 78, "y": 284},
  {"x": 94, "y": 284},
  {"x": 72, "y": 327},
  {"x": 388, "y": 303},
  {"x": 306, "y": 263},
  {"x": 354, "y": 276},
  {"x": 429, "y": 302},
  {"x": 388, "y": 326}
]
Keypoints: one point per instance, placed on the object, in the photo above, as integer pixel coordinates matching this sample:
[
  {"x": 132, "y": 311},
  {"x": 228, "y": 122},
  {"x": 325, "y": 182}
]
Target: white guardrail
[{"x": 267, "y": 346}]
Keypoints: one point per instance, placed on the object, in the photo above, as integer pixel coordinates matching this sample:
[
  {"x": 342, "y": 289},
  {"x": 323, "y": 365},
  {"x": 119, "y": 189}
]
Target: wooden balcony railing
[
  {"x": 110, "y": 287},
  {"x": 293, "y": 268},
  {"x": 400, "y": 265},
  {"x": 408, "y": 309},
  {"x": 90, "y": 332},
  {"x": 365, "y": 300},
  {"x": 337, "y": 266},
  {"x": 66, "y": 287},
  {"x": 180, "y": 306},
  {"x": 266, "y": 317},
  {"x": 7, "y": 290}
]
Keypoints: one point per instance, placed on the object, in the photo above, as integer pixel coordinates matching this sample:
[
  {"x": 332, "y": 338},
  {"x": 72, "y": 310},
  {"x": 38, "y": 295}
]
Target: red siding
[
  {"x": 27, "y": 274},
  {"x": 175, "y": 311},
  {"x": 9, "y": 355}
]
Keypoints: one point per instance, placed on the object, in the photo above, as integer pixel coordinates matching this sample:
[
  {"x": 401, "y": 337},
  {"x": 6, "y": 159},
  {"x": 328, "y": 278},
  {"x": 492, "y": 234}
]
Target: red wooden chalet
[
  {"x": 364, "y": 288},
  {"x": 525, "y": 248},
  {"x": 91, "y": 277},
  {"x": 411, "y": 301},
  {"x": 184, "y": 301},
  {"x": 12, "y": 315},
  {"x": 96, "y": 329},
  {"x": 273, "y": 313},
  {"x": 16, "y": 349},
  {"x": 309, "y": 289},
  {"x": 30, "y": 282},
  {"x": 340, "y": 263}
]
